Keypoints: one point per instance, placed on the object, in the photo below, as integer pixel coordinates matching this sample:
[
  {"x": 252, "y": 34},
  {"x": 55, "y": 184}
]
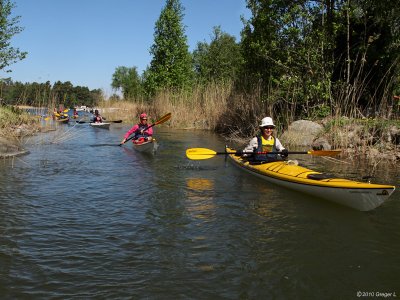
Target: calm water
[{"x": 80, "y": 221}]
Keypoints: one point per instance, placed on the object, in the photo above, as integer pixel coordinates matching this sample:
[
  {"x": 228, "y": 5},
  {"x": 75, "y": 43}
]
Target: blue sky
[{"x": 83, "y": 41}]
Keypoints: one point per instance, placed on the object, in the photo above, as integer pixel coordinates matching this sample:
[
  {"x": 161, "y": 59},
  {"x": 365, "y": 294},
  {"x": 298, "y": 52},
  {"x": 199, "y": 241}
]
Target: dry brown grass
[{"x": 199, "y": 109}]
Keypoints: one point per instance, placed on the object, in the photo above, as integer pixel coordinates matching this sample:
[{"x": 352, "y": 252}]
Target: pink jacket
[{"x": 148, "y": 131}]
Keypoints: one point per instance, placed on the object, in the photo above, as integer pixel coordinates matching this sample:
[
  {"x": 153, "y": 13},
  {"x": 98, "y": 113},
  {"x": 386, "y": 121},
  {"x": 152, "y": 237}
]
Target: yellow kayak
[{"x": 358, "y": 195}]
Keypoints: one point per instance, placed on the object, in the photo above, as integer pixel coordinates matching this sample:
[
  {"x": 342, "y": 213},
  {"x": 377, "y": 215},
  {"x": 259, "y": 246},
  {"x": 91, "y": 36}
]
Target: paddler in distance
[
  {"x": 265, "y": 141},
  {"x": 97, "y": 118}
]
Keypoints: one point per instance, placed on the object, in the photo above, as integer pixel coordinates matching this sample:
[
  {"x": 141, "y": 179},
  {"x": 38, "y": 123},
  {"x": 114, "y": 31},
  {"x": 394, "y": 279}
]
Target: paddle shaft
[
  {"x": 204, "y": 153},
  {"x": 266, "y": 152},
  {"x": 82, "y": 122}
]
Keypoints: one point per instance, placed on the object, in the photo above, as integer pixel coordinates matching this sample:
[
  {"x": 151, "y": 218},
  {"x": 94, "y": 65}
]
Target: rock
[
  {"x": 321, "y": 144},
  {"x": 302, "y": 133}
]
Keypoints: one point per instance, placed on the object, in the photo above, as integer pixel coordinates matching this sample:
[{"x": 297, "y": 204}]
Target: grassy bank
[
  {"x": 15, "y": 123},
  {"x": 236, "y": 116}
]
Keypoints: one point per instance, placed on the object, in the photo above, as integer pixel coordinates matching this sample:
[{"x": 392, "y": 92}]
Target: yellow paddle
[
  {"x": 204, "y": 153},
  {"x": 160, "y": 121}
]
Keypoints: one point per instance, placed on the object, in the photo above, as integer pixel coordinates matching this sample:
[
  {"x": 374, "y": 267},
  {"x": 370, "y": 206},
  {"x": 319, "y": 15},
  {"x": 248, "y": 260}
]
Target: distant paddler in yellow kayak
[{"x": 61, "y": 115}]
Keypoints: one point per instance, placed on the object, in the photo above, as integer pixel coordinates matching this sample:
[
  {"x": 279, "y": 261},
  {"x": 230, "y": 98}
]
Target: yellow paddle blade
[
  {"x": 66, "y": 110},
  {"x": 324, "y": 152},
  {"x": 200, "y": 153},
  {"x": 47, "y": 118}
]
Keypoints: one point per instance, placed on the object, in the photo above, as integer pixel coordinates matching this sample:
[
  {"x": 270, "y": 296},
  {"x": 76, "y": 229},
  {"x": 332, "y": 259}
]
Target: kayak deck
[
  {"x": 359, "y": 195},
  {"x": 142, "y": 145},
  {"x": 100, "y": 125}
]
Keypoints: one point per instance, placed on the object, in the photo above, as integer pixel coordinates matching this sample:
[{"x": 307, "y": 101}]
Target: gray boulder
[{"x": 305, "y": 133}]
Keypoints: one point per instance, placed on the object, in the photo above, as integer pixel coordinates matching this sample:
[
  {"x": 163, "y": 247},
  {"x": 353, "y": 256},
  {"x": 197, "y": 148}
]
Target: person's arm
[
  {"x": 149, "y": 131},
  {"x": 253, "y": 144},
  {"x": 130, "y": 131},
  {"x": 278, "y": 145},
  {"x": 280, "y": 148}
]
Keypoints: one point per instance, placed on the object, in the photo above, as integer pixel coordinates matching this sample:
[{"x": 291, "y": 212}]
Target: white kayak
[{"x": 100, "y": 125}]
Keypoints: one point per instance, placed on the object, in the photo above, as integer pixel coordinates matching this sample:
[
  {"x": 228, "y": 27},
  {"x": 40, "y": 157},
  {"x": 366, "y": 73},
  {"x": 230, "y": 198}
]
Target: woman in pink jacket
[{"x": 140, "y": 130}]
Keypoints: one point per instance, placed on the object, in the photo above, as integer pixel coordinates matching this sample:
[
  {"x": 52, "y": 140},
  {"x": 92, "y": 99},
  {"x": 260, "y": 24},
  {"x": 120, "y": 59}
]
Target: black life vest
[{"x": 137, "y": 132}]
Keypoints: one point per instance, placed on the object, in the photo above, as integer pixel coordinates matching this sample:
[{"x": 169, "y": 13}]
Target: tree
[
  {"x": 129, "y": 81},
  {"x": 171, "y": 65},
  {"x": 218, "y": 61},
  {"x": 367, "y": 53},
  {"x": 8, "y": 28}
]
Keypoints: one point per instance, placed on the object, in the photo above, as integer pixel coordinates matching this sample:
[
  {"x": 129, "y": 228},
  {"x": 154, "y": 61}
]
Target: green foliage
[
  {"x": 283, "y": 49},
  {"x": 218, "y": 61},
  {"x": 171, "y": 65},
  {"x": 8, "y": 28},
  {"x": 368, "y": 49},
  {"x": 129, "y": 81},
  {"x": 306, "y": 49},
  {"x": 320, "y": 112}
]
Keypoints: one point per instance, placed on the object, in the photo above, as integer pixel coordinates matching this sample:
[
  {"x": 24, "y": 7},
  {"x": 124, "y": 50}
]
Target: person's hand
[
  {"x": 123, "y": 141},
  {"x": 239, "y": 153},
  {"x": 141, "y": 131},
  {"x": 284, "y": 153}
]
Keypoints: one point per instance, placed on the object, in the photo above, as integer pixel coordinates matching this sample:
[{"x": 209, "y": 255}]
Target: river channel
[{"x": 83, "y": 218}]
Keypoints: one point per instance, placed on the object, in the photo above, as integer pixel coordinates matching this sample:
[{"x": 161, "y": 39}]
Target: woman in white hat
[{"x": 265, "y": 142}]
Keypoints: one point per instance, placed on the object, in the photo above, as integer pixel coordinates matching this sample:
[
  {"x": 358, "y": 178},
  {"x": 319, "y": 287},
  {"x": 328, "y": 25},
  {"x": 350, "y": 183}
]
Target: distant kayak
[
  {"x": 62, "y": 120},
  {"x": 143, "y": 145},
  {"x": 100, "y": 125}
]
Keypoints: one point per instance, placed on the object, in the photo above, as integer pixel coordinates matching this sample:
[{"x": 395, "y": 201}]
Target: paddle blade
[
  {"x": 324, "y": 152},
  {"x": 163, "y": 119},
  {"x": 200, "y": 153}
]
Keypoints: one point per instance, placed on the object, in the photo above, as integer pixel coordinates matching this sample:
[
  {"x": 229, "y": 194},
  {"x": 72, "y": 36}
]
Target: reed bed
[{"x": 200, "y": 108}]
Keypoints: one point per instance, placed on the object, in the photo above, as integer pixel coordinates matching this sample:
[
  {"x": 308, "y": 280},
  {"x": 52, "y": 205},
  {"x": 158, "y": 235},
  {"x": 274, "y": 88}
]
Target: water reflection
[
  {"x": 81, "y": 221},
  {"x": 200, "y": 195}
]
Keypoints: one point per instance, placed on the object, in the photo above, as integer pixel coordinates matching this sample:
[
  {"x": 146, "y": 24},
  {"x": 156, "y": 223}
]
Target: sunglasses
[{"x": 268, "y": 127}]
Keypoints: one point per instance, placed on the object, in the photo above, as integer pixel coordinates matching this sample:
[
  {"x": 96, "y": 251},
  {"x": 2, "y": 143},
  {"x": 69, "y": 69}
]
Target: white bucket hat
[{"x": 267, "y": 121}]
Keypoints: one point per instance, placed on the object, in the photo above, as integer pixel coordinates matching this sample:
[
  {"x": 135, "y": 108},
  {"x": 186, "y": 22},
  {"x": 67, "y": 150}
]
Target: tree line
[
  {"x": 303, "y": 58},
  {"x": 311, "y": 58},
  {"x": 48, "y": 95}
]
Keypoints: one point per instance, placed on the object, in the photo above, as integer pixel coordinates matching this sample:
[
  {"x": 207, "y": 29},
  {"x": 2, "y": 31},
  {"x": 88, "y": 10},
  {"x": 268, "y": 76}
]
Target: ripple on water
[{"x": 107, "y": 222}]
